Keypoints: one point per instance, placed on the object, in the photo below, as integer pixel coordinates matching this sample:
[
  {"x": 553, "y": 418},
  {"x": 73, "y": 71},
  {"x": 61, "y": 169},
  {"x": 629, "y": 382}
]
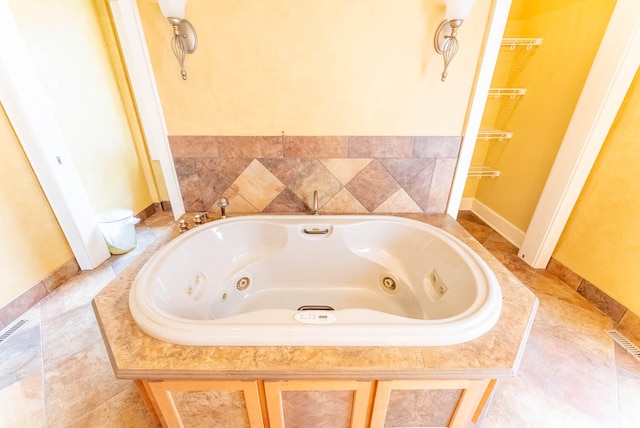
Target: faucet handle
[
  {"x": 223, "y": 203},
  {"x": 315, "y": 203}
]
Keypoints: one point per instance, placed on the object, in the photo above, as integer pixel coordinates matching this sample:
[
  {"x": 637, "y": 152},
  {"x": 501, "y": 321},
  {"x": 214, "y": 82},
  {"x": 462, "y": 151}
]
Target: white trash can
[{"x": 117, "y": 227}]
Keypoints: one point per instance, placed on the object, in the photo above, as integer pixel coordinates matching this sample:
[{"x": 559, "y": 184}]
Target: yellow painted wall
[
  {"x": 65, "y": 41},
  {"x": 69, "y": 43},
  {"x": 601, "y": 240},
  {"x": 308, "y": 67},
  {"x": 151, "y": 170},
  {"x": 31, "y": 242},
  {"x": 554, "y": 76}
]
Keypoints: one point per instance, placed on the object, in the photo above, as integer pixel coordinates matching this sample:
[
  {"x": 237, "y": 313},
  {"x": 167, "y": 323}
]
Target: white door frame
[
  {"x": 493, "y": 39},
  {"x": 33, "y": 119},
  {"x": 609, "y": 79},
  {"x": 126, "y": 18}
]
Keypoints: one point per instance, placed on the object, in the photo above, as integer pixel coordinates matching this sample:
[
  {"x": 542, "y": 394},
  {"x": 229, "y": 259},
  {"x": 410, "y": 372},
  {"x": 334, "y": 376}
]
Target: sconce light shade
[
  {"x": 445, "y": 41},
  {"x": 458, "y": 9},
  {"x": 184, "y": 39},
  {"x": 173, "y": 8}
]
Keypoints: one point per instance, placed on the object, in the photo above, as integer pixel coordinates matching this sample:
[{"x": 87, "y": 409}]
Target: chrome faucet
[
  {"x": 315, "y": 203},
  {"x": 223, "y": 203}
]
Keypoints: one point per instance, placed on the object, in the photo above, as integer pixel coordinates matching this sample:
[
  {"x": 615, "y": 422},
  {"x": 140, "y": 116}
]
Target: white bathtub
[{"x": 273, "y": 280}]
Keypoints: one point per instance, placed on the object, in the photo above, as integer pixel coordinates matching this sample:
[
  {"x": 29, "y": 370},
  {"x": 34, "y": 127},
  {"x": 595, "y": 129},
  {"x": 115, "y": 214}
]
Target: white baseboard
[
  {"x": 510, "y": 232},
  {"x": 466, "y": 204}
]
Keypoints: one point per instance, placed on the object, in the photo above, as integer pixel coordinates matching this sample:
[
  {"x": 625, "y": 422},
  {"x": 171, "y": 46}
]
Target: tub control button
[{"x": 315, "y": 317}]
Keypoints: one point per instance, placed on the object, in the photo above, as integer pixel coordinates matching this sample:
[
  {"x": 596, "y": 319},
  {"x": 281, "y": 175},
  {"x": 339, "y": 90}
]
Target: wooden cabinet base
[{"x": 313, "y": 403}]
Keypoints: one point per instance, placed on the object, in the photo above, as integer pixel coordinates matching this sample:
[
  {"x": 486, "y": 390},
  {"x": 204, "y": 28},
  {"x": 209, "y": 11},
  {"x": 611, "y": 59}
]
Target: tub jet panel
[
  {"x": 197, "y": 286},
  {"x": 435, "y": 286}
]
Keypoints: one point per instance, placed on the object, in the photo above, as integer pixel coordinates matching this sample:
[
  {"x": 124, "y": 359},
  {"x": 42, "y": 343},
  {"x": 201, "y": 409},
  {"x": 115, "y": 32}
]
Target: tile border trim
[{"x": 619, "y": 313}]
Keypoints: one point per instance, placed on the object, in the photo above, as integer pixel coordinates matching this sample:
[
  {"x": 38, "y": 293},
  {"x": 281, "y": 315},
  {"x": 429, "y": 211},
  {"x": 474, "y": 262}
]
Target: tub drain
[
  {"x": 243, "y": 283},
  {"x": 388, "y": 283}
]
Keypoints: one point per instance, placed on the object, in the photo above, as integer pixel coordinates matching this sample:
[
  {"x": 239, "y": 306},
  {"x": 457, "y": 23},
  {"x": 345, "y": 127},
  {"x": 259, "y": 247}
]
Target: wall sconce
[
  {"x": 184, "y": 39},
  {"x": 445, "y": 41}
]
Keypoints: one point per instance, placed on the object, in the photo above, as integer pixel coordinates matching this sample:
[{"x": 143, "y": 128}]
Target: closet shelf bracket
[
  {"x": 529, "y": 43},
  {"x": 494, "y": 135},
  {"x": 482, "y": 171},
  {"x": 507, "y": 92}
]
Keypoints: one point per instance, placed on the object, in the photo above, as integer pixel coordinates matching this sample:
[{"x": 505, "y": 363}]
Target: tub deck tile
[{"x": 497, "y": 353}]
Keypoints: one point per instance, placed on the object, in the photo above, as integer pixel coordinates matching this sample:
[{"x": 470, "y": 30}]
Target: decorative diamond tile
[
  {"x": 372, "y": 186},
  {"x": 216, "y": 175},
  {"x": 287, "y": 202},
  {"x": 418, "y": 187},
  {"x": 399, "y": 202},
  {"x": 286, "y": 170},
  {"x": 342, "y": 203},
  {"x": 257, "y": 185},
  {"x": 314, "y": 176},
  {"x": 237, "y": 204},
  {"x": 303, "y": 176},
  {"x": 279, "y": 174},
  {"x": 345, "y": 169},
  {"x": 403, "y": 170}
]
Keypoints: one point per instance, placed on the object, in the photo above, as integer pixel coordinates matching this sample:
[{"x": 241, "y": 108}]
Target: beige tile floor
[{"x": 55, "y": 372}]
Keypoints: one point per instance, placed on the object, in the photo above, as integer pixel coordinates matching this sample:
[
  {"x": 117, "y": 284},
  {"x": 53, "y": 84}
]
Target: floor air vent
[
  {"x": 12, "y": 329},
  {"x": 625, "y": 343}
]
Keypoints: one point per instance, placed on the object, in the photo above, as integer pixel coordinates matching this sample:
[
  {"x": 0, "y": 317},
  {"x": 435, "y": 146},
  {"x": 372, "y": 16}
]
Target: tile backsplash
[{"x": 351, "y": 174}]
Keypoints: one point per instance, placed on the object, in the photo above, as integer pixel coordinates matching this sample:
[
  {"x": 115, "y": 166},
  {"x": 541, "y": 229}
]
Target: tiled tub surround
[
  {"x": 354, "y": 174},
  {"x": 134, "y": 355}
]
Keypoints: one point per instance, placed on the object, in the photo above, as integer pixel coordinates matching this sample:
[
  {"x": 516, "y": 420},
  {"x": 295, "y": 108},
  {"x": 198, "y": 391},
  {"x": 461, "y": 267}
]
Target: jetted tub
[{"x": 316, "y": 280}]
